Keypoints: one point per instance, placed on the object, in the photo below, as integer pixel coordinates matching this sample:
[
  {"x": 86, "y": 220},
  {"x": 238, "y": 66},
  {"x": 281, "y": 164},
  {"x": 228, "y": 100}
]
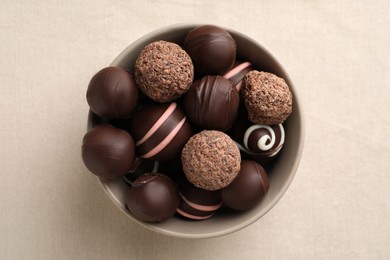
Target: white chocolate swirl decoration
[{"x": 264, "y": 140}]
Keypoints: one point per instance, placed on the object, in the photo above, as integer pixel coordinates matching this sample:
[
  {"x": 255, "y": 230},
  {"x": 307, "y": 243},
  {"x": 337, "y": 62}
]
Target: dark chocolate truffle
[
  {"x": 261, "y": 142},
  {"x": 211, "y": 160},
  {"x": 248, "y": 188},
  {"x": 160, "y": 131},
  {"x": 108, "y": 152},
  {"x": 267, "y": 98},
  {"x": 196, "y": 203},
  {"x": 112, "y": 93},
  {"x": 237, "y": 73},
  {"x": 211, "y": 48},
  {"x": 140, "y": 167},
  {"x": 212, "y": 103},
  {"x": 153, "y": 197},
  {"x": 163, "y": 71}
]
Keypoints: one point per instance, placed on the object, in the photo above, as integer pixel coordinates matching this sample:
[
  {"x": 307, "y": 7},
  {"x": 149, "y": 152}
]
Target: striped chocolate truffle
[
  {"x": 196, "y": 203},
  {"x": 237, "y": 73},
  {"x": 261, "y": 142},
  {"x": 160, "y": 131}
]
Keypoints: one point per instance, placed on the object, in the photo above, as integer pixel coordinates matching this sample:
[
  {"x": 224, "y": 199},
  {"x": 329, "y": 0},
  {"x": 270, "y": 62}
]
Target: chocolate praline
[
  {"x": 163, "y": 71},
  {"x": 211, "y": 48},
  {"x": 237, "y": 73},
  {"x": 196, "y": 203},
  {"x": 152, "y": 198},
  {"x": 112, "y": 93},
  {"x": 160, "y": 131},
  {"x": 212, "y": 103},
  {"x": 248, "y": 188},
  {"x": 261, "y": 142},
  {"x": 108, "y": 152}
]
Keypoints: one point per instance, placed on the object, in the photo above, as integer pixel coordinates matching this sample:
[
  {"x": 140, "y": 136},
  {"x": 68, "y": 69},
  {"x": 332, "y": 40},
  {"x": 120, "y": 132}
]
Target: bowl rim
[{"x": 294, "y": 168}]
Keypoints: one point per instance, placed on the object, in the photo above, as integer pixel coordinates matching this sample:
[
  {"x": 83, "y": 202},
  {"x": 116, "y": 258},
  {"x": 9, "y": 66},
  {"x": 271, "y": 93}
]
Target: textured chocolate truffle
[
  {"x": 237, "y": 73},
  {"x": 196, "y": 203},
  {"x": 108, "y": 152},
  {"x": 112, "y": 93},
  {"x": 261, "y": 142},
  {"x": 267, "y": 98},
  {"x": 248, "y": 188},
  {"x": 211, "y": 48},
  {"x": 211, "y": 160},
  {"x": 163, "y": 71},
  {"x": 160, "y": 131},
  {"x": 153, "y": 197},
  {"x": 212, "y": 103}
]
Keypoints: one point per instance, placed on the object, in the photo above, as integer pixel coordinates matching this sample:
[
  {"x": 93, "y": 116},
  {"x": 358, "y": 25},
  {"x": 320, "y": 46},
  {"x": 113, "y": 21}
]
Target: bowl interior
[{"x": 280, "y": 173}]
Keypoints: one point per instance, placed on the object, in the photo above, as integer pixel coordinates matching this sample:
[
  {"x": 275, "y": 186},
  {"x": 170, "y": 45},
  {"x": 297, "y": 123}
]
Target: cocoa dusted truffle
[
  {"x": 211, "y": 48},
  {"x": 153, "y": 197},
  {"x": 212, "y": 103},
  {"x": 163, "y": 71},
  {"x": 211, "y": 160},
  {"x": 267, "y": 98},
  {"x": 112, "y": 93},
  {"x": 248, "y": 188},
  {"x": 108, "y": 152}
]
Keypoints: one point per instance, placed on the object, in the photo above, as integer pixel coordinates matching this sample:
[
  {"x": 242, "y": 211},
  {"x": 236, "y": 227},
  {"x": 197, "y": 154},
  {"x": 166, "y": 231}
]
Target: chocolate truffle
[
  {"x": 140, "y": 167},
  {"x": 112, "y": 93},
  {"x": 108, "y": 152},
  {"x": 160, "y": 131},
  {"x": 163, "y": 71},
  {"x": 152, "y": 198},
  {"x": 211, "y": 48},
  {"x": 267, "y": 98},
  {"x": 261, "y": 142},
  {"x": 237, "y": 73},
  {"x": 248, "y": 188},
  {"x": 196, "y": 203},
  {"x": 211, "y": 160},
  {"x": 212, "y": 103}
]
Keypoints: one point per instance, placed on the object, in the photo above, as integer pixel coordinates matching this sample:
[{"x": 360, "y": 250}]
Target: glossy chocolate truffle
[
  {"x": 261, "y": 142},
  {"x": 160, "y": 131},
  {"x": 267, "y": 98},
  {"x": 211, "y": 48},
  {"x": 112, "y": 93},
  {"x": 196, "y": 203},
  {"x": 212, "y": 103},
  {"x": 108, "y": 152},
  {"x": 153, "y": 198},
  {"x": 211, "y": 160},
  {"x": 248, "y": 188},
  {"x": 163, "y": 71},
  {"x": 140, "y": 167},
  {"x": 237, "y": 73}
]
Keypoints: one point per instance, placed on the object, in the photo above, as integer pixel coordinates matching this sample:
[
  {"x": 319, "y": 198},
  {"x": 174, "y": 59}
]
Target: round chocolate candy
[
  {"x": 108, "y": 152},
  {"x": 163, "y": 71},
  {"x": 153, "y": 197},
  {"x": 248, "y": 188},
  {"x": 112, "y": 93},
  {"x": 140, "y": 167},
  {"x": 196, "y": 203},
  {"x": 210, "y": 160},
  {"x": 212, "y": 103},
  {"x": 237, "y": 73},
  {"x": 160, "y": 131},
  {"x": 261, "y": 142},
  {"x": 211, "y": 48}
]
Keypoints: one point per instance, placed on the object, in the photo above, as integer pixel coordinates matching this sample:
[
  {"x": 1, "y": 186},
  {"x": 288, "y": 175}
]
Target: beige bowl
[{"x": 281, "y": 173}]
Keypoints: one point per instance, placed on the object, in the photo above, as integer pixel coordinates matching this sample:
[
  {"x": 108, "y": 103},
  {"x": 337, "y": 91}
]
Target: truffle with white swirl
[{"x": 260, "y": 142}]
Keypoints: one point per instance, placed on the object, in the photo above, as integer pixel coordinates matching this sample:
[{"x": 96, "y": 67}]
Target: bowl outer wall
[{"x": 281, "y": 175}]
